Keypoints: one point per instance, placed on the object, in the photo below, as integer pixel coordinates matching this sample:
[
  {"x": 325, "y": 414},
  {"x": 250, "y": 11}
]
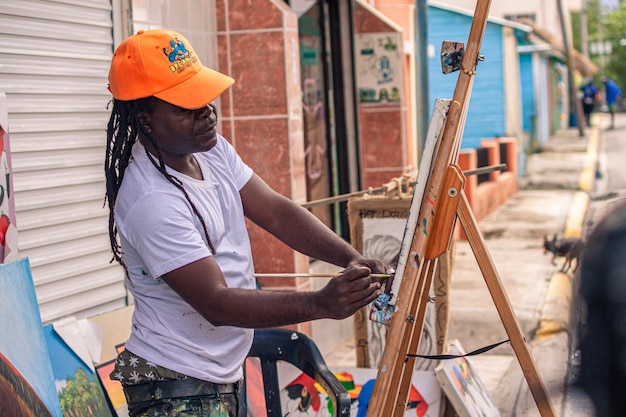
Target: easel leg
[
  {"x": 394, "y": 402},
  {"x": 418, "y": 311},
  {"x": 505, "y": 310}
]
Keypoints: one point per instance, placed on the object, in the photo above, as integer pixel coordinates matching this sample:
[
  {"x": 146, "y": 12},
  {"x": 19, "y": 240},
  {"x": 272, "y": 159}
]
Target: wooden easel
[{"x": 442, "y": 201}]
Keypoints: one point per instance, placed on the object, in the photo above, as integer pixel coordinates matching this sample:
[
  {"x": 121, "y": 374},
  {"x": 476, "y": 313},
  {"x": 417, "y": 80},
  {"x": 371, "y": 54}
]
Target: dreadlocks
[{"x": 122, "y": 132}]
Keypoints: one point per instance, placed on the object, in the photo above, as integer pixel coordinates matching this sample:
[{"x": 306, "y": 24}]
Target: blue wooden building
[{"x": 495, "y": 108}]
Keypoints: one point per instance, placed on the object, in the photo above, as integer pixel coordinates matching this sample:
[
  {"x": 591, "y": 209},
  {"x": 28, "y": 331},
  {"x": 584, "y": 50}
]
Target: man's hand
[
  {"x": 348, "y": 292},
  {"x": 377, "y": 267}
]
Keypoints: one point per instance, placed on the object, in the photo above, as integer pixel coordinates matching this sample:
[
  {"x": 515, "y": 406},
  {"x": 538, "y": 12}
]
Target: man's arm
[
  {"x": 202, "y": 285},
  {"x": 299, "y": 228}
]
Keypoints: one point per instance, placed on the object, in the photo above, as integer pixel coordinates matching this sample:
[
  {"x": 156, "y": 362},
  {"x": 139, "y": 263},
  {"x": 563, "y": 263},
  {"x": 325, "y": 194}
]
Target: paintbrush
[{"x": 295, "y": 275}]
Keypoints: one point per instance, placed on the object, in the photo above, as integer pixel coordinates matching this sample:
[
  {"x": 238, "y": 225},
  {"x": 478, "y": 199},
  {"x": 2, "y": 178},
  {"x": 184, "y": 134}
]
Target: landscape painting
[
  {"x": 25, "y": 360},
  {"x": 78, "y": 387}
]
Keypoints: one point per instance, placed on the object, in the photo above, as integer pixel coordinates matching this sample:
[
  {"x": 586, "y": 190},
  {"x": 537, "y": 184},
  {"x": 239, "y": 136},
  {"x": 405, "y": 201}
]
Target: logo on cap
[{"x": 179, "y": 56}]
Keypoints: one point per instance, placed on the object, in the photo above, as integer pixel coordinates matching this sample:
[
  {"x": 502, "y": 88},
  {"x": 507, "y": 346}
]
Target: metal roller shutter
[{"x": 54, "y": 58}]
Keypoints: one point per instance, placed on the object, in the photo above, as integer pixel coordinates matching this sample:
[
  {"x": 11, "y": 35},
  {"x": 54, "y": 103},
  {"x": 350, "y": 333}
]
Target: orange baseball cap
[{"x": 163, "y": 64}]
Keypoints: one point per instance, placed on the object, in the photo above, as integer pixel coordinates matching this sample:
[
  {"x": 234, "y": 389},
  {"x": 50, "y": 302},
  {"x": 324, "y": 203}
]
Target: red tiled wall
[{"x": 261, "y": 113}]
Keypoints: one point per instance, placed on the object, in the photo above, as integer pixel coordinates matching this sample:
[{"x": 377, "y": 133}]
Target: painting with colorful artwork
[
  {"x": 26, "y": 377},
  {"x": 301, "y": 396},
  {"x": 424, "y": 394},
  {"x": 463, "y": 386}
]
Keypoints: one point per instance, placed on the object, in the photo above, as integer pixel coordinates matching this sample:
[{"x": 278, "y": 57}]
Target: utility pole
[
  {"x": 584, "y": 30},
  {"x": 575, "y": 104}
]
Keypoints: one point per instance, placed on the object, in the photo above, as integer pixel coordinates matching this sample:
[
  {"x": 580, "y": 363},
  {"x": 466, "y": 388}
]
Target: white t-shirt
[{"x": 159, "y": 233}]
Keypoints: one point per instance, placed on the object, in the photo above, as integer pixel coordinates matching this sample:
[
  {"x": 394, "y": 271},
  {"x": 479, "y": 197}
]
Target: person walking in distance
[
  {"x": 177, "y": 194},
  {"x": 612, "y": 93},
  {"x": 589, "y": 99}
]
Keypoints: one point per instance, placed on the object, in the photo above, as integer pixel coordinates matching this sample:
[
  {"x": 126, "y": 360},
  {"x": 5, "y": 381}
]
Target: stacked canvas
[{"x": 47, "y": 371}]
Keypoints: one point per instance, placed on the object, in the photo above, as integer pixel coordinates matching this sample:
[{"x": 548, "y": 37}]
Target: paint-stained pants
[{"x": 205, "y": 406}]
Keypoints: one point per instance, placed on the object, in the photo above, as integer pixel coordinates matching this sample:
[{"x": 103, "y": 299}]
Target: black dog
[{"x": 569, "y": 248}]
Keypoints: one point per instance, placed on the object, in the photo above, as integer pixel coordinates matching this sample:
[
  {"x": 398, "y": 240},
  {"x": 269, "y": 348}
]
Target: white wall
[{"x": 545, "y": 11}]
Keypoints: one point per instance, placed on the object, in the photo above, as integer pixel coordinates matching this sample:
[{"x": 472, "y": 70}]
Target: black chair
[{"x": 272, "y": 345}]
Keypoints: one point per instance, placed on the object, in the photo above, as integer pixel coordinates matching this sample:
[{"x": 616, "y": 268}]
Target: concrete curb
[
  {"x": 552, "y": 340},
  {"x": 588, "y": 174},
  {"x": 576, "y": 215},
  {"x": 555, "y": 315}
]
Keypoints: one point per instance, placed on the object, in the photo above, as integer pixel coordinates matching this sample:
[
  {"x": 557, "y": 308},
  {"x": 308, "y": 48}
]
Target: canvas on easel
[
  {"x": 391, "y": 222},
  {"x": 463, "y": 386},
  {"x": 377, "y": 226}
]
